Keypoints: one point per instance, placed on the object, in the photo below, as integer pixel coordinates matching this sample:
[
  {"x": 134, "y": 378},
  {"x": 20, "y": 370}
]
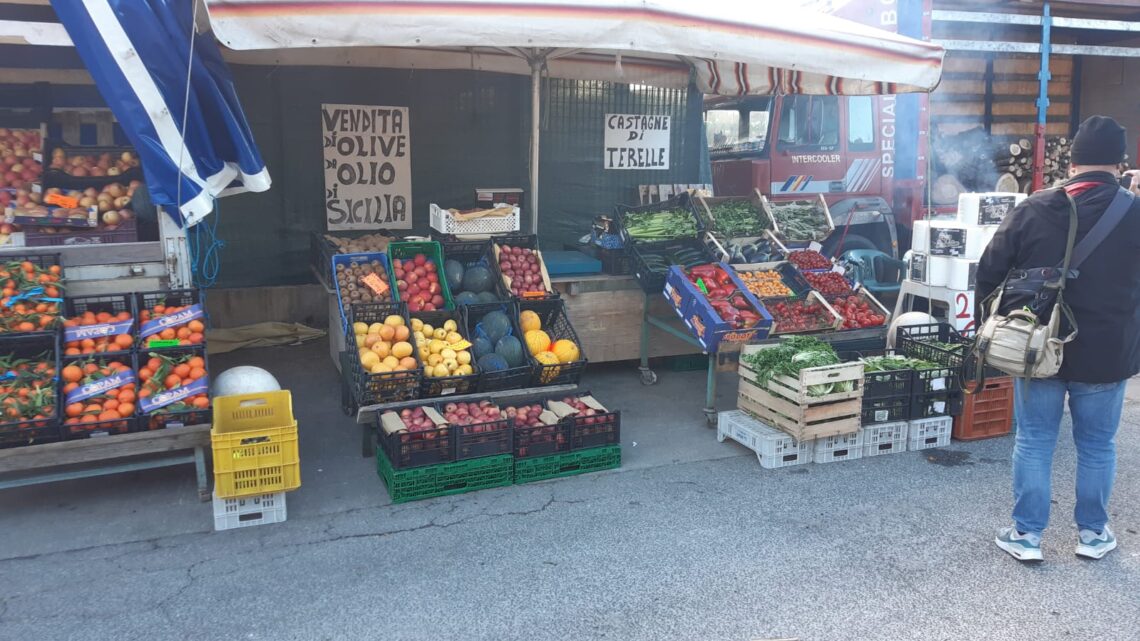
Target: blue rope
[{"x": 205, "y": 255}]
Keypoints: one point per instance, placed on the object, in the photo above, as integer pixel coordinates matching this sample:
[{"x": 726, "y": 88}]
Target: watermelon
[
  {"x": 466, "y": 298},
  {"x": 477, "y": 279},
  {"x": 453, "y": 270},
  {"x": 487, "y": 297},
  {"x": 495, "y": 325},
  {"x": 492, "y": 363},
  {"x": 480, "y": 347},
  {"x": 511, "y": 350}
]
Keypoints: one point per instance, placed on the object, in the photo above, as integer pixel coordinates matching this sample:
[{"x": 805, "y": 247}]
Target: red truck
[{"x": 865, "y": 154}]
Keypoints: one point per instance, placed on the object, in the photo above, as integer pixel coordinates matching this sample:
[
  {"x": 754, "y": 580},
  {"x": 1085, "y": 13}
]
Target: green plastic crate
[
  {"x": 540, "y": 468},
  {"x": 433, "y": 251},
  {"x": 447, "y": 478}
]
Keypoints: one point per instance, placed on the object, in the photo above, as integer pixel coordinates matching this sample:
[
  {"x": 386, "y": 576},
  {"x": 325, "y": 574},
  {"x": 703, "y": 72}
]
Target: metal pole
[
  {"x": 1042, "y": 99},
  {"x": 175, "y": 250},
  {"x": 535, "y": 128}
]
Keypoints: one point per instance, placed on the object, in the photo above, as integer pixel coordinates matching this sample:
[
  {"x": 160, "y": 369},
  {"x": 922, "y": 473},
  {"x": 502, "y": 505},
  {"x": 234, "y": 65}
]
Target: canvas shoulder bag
[{"x": 1019, "y": 342}]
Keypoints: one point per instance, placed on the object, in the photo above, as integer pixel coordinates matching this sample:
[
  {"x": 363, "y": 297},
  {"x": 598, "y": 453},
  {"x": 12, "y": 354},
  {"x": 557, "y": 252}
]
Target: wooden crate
[{"x": 784, "y": 402}]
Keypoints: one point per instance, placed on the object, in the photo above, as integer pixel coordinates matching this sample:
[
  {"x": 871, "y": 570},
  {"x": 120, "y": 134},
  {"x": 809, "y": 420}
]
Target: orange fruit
[
  {"x": 196, "y": 373},
  {"x": 172, "y": 381},
  {"x": 196, "y": 326},
  {"x": 72, "y": 374},
  {"x": 201, "y": 402},
  {"x": 182, "y": 371},
  {"x": 123, "y": 341},
  {"x": 168, "y": 334},
  {"x": 126, "y": 410},
  {"x": 75, "y": 409},
  {"x": 196, "y": 361}
]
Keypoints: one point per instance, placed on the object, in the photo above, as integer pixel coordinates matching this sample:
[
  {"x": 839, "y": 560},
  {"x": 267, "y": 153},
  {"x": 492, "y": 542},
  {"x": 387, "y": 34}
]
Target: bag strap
[
  {"x": 1111, "y": 217},
  {"x": 1067, "y": 262}
]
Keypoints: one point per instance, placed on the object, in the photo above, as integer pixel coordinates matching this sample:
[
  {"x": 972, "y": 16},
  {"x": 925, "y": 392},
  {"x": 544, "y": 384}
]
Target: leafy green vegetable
[
  {"x": 801, "y": 221},
  {"x": 660, "y": 225},
  {"x": 793, "y": 354},
  {"x": 736, "y": 219},
  {"x": 893, "y": 363}
]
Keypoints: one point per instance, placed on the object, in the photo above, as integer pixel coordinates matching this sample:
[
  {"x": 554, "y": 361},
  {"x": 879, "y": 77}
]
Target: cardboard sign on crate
[{"x": 784, "y": 402}]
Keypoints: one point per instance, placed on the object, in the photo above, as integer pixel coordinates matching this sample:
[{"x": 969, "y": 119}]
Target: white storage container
[
  {"x": 260, "y": 509},
  {"x": 445, "y": 222},
  {"x": 927, "y": 433},
  {"x": 986, "y": 209},
  {"x": 774, "y": 448},
  {"x": 963, "y": 274},
  {"x": 885, "y": 438},
  {"x": 938, "y": 270},
  {"x": 831, "y": 449},
  {"x": 920, "y": 239}
]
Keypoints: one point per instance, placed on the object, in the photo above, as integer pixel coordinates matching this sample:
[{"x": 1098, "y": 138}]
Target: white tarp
[{"x": 732, "y": 47}]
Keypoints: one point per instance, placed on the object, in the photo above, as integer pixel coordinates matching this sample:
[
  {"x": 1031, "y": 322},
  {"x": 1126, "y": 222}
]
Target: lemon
[
  {"x": 450, "y": 326},
  {"x": 395, "y": 320},
  {"x": 359, "y": 328},
  {"x": 369, "y": 359}
]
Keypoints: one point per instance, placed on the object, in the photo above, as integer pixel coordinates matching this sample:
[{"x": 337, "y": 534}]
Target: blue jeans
[{"x": 1096, "y": 412}]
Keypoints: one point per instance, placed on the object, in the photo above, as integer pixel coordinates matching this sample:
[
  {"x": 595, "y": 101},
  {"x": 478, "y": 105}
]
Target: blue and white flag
[{"x": 139, "y": 53}]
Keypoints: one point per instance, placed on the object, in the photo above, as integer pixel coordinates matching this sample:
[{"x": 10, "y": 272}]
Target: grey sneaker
[
  {"x": 1094, "y": 546},
  {"x": 1023, "y": 547}
]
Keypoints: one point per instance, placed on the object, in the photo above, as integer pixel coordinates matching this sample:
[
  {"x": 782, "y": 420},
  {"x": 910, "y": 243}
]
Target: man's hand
[{"x": 1135, "y": 186}]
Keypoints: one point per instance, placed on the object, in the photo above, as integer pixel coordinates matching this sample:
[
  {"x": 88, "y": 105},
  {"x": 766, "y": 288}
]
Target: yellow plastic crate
[{"x": 254, "y": 440}]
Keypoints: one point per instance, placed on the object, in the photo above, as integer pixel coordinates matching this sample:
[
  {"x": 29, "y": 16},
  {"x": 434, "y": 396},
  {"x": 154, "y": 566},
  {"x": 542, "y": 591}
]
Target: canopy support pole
[
  {"x": 175, "y": 250},
  {"x": 535, "y": 129}
]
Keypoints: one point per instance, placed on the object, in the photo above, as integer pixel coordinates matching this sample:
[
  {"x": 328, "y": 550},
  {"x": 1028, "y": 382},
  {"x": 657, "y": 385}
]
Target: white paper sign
[
  {"x": 636, "y": 141},
  {"x": 368, "y": 167}
]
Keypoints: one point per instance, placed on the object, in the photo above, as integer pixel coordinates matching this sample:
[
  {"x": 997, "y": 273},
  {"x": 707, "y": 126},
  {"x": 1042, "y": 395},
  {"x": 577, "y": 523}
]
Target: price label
[
  {"x": 460, "y": 345},
  {"x": 374, "y": 283},
  {"x": 163, "y": 343},
  {"x": 61, "y": 200}
]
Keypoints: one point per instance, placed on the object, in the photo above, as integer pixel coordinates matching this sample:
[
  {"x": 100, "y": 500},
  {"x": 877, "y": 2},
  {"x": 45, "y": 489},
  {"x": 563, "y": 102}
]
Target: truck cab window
[
  {"x": 741, "y": 129},
  {"x": 810, "y": 121},
  {"x": 860, "y": 124}
]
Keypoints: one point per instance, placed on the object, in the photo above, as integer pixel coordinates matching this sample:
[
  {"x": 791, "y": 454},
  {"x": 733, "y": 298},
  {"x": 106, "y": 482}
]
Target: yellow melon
[
  {"x": 529, "y": 320},
  {"x": 537, "y": 341},
  {"x": 548, "y": 373},
  {"x": 566, "y": 351}
]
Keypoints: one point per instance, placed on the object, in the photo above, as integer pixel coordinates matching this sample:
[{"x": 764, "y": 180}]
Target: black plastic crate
[
  {"x": 113, "y": 304},
  {"x": 54, "y": 177},
  {"x": 917, "y": 341},
  {"x": 41, "y": 346},
  {"x": 935, "y": 404},
  {"x": 164, "y": 418},
  {"x": 70, "y": 428},
  {"x": 887, "y": 384},
  {"x": 886, "y": 410},
  {"x": 615, "y": 262},
  {"x": 512, "y": 378},
  {"x": 540, "y": 440},
  {"x": 556, "y": 324},
  {"x": 414, "y": 449},
  {"x": 526, "y": 241},
  {"x": 446, "y": 385},
  {"x": 939, "y": 379},
  {"x": 145, "y": 302},
  {"x": 652, "y": 278},
  {"x": 472, "y": 253},
  {"x": 598, "y": 430},
  {"x": 43, "y": 261},
  {"x": 481, "y": 439},
  {"x": 387, "y": 387},
  {"x": 680, "y": 202}
]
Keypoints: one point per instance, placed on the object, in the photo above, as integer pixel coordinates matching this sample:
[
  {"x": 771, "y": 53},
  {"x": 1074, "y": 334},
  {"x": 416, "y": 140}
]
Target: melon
[
  {"x": 480, "y": 347},
  {"x": 537, "y": 341},
  {"x": 492, "y": 363},
  {"x": 245, "y": 379},
  {"x": 511, "y": 350},
  {"x": 477, "y": 279},
  {"x": 495, "y": 325},
  {"x": 488, "y": 297},
  {"x": 529, "y": 320},
  {"x": 548, "y": 373},
  {"x": 466, "y": 298},
  {"x": 565, "y": 350},
  {"x": 453, "y": 270}
]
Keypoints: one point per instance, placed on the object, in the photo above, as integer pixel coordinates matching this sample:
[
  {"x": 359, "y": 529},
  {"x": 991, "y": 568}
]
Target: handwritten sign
[
  {"x": 374, "y": 283},
  {"x": 63, "y": 201},
  {"x": 368, "y": 167},
  {"x": 634, "y": 141}
]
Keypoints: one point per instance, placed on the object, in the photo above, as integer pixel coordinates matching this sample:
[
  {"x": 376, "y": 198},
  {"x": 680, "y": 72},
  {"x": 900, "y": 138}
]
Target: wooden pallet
[{"x": 784, "y": 403}]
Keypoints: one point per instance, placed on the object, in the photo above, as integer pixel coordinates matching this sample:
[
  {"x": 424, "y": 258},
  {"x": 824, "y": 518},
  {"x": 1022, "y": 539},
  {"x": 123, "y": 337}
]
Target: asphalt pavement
[{"x": 689, "y": 540}]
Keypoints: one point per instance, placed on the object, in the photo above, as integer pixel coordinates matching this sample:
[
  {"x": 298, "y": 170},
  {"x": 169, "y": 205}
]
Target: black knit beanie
[{"x": 1099, "y": 141}]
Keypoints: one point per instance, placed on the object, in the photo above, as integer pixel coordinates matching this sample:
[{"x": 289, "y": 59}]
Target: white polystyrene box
[
  {"x": 987, "y": 209},
  {"x": 920, "y": 240},
  {"x": 954, "y": 240},
  {"x": 962, "y": 274}
]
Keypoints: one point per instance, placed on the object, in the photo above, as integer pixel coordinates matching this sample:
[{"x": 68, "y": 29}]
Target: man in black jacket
[{"x": 1105, "y": 299}]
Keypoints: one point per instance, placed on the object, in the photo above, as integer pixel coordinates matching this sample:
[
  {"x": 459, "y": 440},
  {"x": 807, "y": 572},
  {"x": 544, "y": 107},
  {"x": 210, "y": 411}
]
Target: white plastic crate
[
  {"x": 927, "y": 433},
  {"x": 885, "y": 438},
  {"x": 773, "y": 448},
  {"x": 443, "y": 221},
  {"x": 248, "y": 510},
  {"x": 832, "y": 449}
]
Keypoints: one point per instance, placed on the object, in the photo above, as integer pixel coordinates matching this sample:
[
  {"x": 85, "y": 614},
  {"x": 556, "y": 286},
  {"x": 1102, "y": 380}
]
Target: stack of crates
[{"x": 256, "y": 458}]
